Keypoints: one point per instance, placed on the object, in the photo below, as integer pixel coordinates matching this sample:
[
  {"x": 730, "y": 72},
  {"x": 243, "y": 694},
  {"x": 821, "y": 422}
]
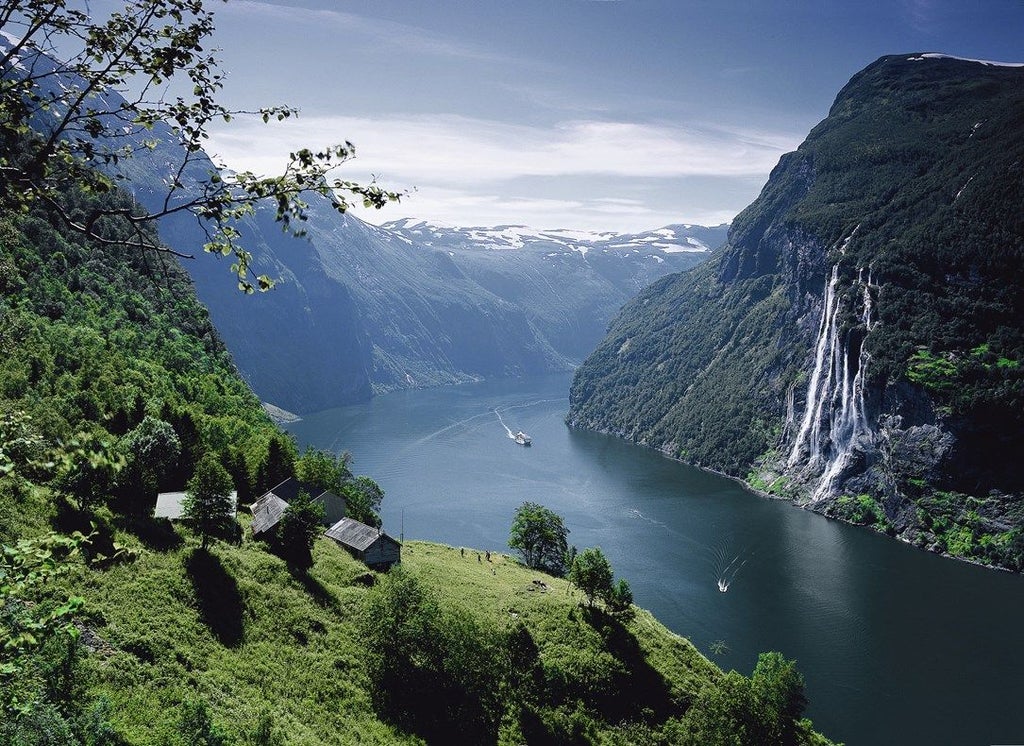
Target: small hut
[
  {"x": 267, "y": 511},
  {"x": 171, "y": 505},
  {"x": 368, "y": 544}
]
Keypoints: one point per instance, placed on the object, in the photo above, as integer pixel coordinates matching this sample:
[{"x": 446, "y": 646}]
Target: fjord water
[{"x": 896, "y": 645}]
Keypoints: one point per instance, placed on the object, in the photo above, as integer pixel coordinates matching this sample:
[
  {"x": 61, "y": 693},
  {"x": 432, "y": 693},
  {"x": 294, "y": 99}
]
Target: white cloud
[
  {"x": 452, "y": 149},
  {"x": 466, "y": 171},
  {"x": 468, "y": 209}
]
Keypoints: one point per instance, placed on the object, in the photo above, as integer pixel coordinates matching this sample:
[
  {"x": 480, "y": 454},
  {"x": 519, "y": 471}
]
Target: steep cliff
[{"x": 856, "y": 345}]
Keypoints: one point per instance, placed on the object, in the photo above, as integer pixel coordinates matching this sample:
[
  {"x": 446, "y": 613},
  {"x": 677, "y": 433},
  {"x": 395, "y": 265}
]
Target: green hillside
[{"x": 113, "y": 384}]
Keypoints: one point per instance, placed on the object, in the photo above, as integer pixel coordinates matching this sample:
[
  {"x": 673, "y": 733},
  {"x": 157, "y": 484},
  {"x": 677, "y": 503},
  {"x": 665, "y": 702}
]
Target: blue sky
[{"x": 586, "y": 114}]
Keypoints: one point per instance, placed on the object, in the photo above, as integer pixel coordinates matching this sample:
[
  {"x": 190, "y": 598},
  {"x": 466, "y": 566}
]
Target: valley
[{"x": 667, "y": 470}]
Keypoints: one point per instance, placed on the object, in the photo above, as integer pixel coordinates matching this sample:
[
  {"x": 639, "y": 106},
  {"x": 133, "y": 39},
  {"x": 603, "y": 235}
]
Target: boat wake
[
  {"x": 727, "y": 569},
  {"x": 507, "y": 428},
  {"x": 519, "y": 437},
  {"x": 447, "y": 428},
  {"x": 637, "y": 514}
]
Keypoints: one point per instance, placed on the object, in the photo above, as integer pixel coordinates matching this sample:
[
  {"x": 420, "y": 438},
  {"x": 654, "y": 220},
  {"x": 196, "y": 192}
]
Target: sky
[{"x": 604, "y": 115}]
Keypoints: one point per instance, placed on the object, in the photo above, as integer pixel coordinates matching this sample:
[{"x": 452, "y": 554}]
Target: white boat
[{"x": 522, "y": 438}]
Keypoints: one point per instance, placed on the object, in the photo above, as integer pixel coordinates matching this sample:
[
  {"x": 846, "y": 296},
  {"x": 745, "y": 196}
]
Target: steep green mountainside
[
  {"x": 95, "y": 338},
  {"x": 107, "y": 355},
  {"x": 857, "y": 344}
]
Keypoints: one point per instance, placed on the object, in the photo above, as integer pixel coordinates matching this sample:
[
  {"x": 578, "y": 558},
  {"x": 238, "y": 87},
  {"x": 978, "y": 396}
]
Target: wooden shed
[
  {"x": 267, "y": 511},
  {"x": 171, "y": 505},
  {"x": 366, "y": 543}
]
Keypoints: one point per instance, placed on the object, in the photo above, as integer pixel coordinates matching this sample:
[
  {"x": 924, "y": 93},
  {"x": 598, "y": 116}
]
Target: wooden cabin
[
  {"x": 267, "y": 511},
  {"x": 368, "y": 544},
  {"x": 171, "y": 505}
]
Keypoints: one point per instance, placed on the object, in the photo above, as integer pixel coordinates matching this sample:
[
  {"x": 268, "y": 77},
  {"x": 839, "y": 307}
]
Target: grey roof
[
  {"x": 290, "y": 488},
  {"x": 266, "y": 512},
  {"x": 171, "y": 505},
  {"x": 352, "y": 533},
  {"x": 287, "y": 491}
]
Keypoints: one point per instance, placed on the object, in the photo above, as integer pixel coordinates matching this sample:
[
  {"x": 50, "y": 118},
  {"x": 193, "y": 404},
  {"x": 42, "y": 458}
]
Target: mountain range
[{"x": 361, "y": 310}]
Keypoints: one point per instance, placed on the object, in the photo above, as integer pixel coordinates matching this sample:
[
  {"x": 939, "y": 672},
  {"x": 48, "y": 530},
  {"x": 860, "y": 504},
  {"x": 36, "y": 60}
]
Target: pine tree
[{"x": 208, "y": 502}]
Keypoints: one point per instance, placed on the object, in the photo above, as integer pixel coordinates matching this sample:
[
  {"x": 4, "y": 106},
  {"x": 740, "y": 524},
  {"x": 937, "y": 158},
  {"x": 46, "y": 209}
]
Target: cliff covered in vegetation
[{"x": 857, "y": 344}]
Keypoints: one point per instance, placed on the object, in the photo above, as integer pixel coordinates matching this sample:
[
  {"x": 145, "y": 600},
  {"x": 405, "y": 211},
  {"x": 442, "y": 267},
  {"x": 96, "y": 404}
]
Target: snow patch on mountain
[
  {"x": 672, "y": 239},
  {"x": 938, "y": 56}
]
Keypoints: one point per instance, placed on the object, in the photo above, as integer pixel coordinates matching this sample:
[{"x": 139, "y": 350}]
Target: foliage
[
  {"x": 432, "y": 670},
  {"x": 765, "y": 709},
  {"x": 197, "y": 727},
  {"x": 333, "y": 473},
  {"x": 89, "y": 469},
  {"x": 61, "y": 123},
  {"x": 278, "y": 464},
  {"x": 363, "y": 497},
  {"x": 208, "y": 504},
  {"x": 862, "y": 509},
  {"x": 22, "y": 450},
  {"x": 26, "y": 568},
  {"x": 93, "y": 340},
  {"x": 48, "y": 693},
  {"x": 150, "y": 450},
  {"x": 324, "y": 469},
  {"x": 620, "y": 600},
  {"x": 779, "y": 689},
  {"x": 540, "y": 537},
  {"x": 591, "y": 572},
  {"x": 298, "y": 529}
]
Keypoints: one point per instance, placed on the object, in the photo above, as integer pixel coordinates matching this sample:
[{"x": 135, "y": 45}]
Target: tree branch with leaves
[{"x": 81, "y": 96}]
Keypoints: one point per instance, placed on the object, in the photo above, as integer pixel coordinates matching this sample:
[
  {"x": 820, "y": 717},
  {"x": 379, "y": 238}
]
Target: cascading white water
[
  {"x": 835, "y": 395},
  {"x": 815, "y": 388}
]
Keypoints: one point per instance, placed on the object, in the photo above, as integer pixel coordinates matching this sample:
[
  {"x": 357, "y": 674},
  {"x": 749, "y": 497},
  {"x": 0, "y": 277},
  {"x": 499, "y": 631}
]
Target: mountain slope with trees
[
  {"x": 113, "y": 374},
  {"x": 857, "y": 344}
]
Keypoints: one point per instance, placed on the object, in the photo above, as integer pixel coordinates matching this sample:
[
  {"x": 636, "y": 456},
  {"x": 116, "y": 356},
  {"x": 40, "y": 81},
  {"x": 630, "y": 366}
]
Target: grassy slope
[
  {"x": 241, "y": 631},
  {"x": 250, "y": 637}
]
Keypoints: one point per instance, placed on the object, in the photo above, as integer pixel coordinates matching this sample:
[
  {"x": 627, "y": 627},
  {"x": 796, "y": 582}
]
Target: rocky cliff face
[{"x": 857, "y": 345}]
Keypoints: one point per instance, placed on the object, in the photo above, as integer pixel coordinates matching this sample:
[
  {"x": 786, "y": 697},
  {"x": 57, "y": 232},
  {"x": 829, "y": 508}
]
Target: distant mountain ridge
[
  {"x": 360, "y": 310},
  {"x": 857, "y": 345},
  {"x": 670, "y": 239},
  {"x": 363, "y": 310}
]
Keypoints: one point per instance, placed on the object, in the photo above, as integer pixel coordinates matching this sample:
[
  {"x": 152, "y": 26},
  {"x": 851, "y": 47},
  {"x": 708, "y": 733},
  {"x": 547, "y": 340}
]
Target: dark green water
[{"x": 898, "y": 646}]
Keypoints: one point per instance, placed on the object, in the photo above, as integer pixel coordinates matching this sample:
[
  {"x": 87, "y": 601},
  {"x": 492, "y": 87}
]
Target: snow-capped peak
[
  {"x": 938, "y": 56},
  {"x": 670, "y": 239}
]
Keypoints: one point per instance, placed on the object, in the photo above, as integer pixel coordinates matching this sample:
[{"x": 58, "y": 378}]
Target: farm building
[
  {"x": 171, "y": 505},
  {"x": 366, "y": 543},
  {"x": 267, "y": 511}
]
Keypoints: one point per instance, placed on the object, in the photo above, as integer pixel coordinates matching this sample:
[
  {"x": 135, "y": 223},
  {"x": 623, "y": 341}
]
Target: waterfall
[
  {"x": 835, "y": 419},
  {"x": 815, "y": 389}
]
